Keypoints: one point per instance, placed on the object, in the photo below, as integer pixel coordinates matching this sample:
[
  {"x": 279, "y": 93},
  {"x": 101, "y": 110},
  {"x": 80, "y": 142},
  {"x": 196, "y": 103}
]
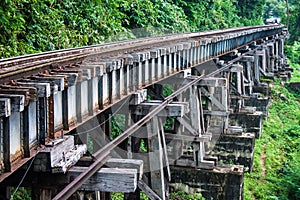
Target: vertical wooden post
[
  {"x": 164, "y": 146},
  {"x": 90, "y": 96},
  {"x": 118, "y": 84},
  {"x": 26, "y": 132},
  {"x": 78, "y": 102},
  {"x": 51, "y": 116},
  {"x": 100, "y": 92},
  {"x": 65, "y": 108},
  {"x": 156, "y": 158},
  {"x": 42, "y": 118},
  {"x": 6, "y": 144},
  {"x": 109, "y": 86}
]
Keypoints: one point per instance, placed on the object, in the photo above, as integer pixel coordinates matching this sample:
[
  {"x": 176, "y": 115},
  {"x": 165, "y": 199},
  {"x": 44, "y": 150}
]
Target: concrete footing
[
  {"x": 223, "y": 182},
  {"x": 250, "y": 122},
  {"x": 236, "y": 149}
]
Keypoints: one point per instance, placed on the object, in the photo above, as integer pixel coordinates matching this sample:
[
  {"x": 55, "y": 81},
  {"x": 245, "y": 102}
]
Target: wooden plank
[
  {"x": 138, "y": 97},
  {"x": 156, "y": 158},
  {"x": 71, "y": 76},
  {"x": 126, "y": 164},
  {"x": 236, "y": 68},
  {"x": 86, "y": 74},
  {"x": 161, "y": 163},
  {"x": 247, "y": 59},
  {"x": 213, "y": 99},
  {"x": 5, "y": 107},
  {"x": 194, "y": 110},
  {"x": 148, "y": 191},
  {"x": 174, "y": 109},
  {"x": 213, "y": 82},
  {"x": 17, "y": 101},
  {"x": 108, "y": 179},
  {"x": 43, "y": 89},
  {"x": 201, "y": 111},
  {"x": 189, "y": 127},
  {"x": 216, "y": 113},
  {"x": 53, "y": 86},
  {"x": 202, "y": 138},
  {"x": 30, "y": 92},
  {"x": 164, "y": 146},
  {"x": 57, "y": 80},
  {"x": 6, "y": 144},
  {"x": 57, "y": 148}
]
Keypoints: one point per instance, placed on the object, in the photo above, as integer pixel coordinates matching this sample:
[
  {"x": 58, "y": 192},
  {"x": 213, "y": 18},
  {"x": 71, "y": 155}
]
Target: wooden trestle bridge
[{"x": 160, "y": 114}]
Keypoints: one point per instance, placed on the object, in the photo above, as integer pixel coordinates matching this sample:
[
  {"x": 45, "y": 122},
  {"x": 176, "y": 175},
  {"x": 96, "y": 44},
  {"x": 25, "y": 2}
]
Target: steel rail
[
  {"x": 77, "y": 182},
  {"x": 22, "y": 64},
  {"x": 6, "y": 61},
  {"x": 104, "y": 152}
]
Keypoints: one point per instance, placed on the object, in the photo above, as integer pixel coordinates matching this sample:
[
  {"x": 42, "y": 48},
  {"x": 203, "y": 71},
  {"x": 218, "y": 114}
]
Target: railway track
[
  {"x": 22, "y": 66},
  {"x": 100, "y": 75}
]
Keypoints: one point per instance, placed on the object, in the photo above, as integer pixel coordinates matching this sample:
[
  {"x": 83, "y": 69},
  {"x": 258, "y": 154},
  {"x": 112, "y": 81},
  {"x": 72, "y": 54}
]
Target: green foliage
[
  {"x": 251, "y": 12},
  {"x": 120, "y": 196},
  {"x": 278, "y": 148},
  {"x": 278, "y": 8},
  {"x": 275, "y": 8},
  {"x": 293, "y": 53},
  {"x": 184, "y": 196},
  {"x": 117, "y": 125},
  {"x": 207, "y": 15},
  {"x": 21, "y": 194},
  {"x": 294, "y": 21},
  {"x": 30, "y": 26}
]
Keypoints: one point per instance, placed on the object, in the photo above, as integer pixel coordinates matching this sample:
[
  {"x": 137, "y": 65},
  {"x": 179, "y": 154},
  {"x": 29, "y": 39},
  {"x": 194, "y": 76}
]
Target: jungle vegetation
[{"x": 30, "y": 26}]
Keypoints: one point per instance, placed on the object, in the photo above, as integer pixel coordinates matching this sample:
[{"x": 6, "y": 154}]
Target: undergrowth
[{"x": 279, "y": 145}]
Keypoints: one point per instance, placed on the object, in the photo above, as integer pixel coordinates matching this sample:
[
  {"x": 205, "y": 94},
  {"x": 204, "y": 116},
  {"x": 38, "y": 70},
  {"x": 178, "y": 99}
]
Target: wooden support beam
[
  {"x": 188, "y": 126},
  {"x": 138, "y": 97},
  {"x": 17, "y": 101},
  {"x": 70, "y": 76},
  {"x": 108, "y": 179},
  {"x": 42, "y": 119},
  {"x": 247, "y": 59},
  {"x": 26, "y": 133},
  {"x": 156, "y": 158},
  {"x": 213, "y": 99},
  {"x": 78, "y": 102},
  {"x": 148, "y": 191},
  {"x": 6, "y": 144},
  {"x": 65, "y": 109},
  {"x": 173, "y": 109},
  {"x": 216, "y": 113},
  {"x": 54, "y": 79},
  {"x": 5, "y": 107},
  {"x": 30, "y": 93},
  {"x": 164, "y": 146},
  {"x": 60, "y": 154},
  {"x": 236, "y": 68},
  {"x": 194, "y": 109},
  {"x": 126, "y": 164},
  {"x": 211, "y": 81},
  {"x": 202, "y": 138},
  {"x": 43, "y": 89}
]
